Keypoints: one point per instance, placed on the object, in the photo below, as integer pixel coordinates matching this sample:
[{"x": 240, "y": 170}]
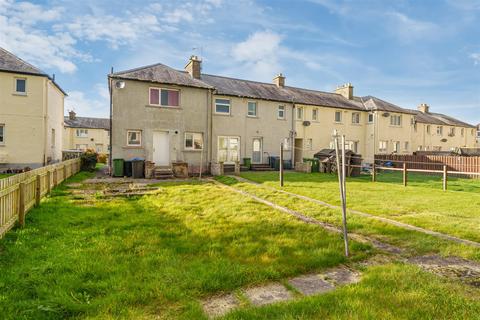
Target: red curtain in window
[
  {"x": 173, "y": 98},
  {"x": 154, "y": 96}
]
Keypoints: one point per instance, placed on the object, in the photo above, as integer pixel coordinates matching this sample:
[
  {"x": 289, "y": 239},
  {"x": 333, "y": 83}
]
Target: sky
[{"x": 405, "y": 52}]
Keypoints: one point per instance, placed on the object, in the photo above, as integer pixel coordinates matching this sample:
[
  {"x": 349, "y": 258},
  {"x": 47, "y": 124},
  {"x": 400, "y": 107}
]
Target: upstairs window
[
  {"x": 222, "y": 106},
  {"x": 21, "y": 85},
  {"x": 338, "y": 116},
  {"x": 396, "y": 120},
  {"x": 314, "y": 114},
  {"x": 452, "y": 132},
  {"x": 462, "y": 132},
  {"x": 428, "y": 129},
  {"x": 356, "y": 117},
  {"x": 281, "y": 112},
  {"x": 370, "y": 118},
  {"x": 193, "y": 141},
  {"x": 134, "y": 138},
  {"x": 164, "y": 97},
  {"x": 2, "y": 134},
  {"x": 82, "y": 133},
  {"x": 299, "y": 113},
  {"x": 252, "y": 109},
  {"x": 440, "y": 131}
]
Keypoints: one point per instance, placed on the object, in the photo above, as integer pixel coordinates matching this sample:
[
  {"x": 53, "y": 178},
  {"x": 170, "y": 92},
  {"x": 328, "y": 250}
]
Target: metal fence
[{"x": 21, "y": 192}]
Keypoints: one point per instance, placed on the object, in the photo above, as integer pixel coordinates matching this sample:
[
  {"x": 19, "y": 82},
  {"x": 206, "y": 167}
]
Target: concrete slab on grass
[
  {"x": 341, "y": 276},
  {"x": 268, "y": 294},
  {"x": 220, "y": 305},
  {"x": 310, "y": 284}
]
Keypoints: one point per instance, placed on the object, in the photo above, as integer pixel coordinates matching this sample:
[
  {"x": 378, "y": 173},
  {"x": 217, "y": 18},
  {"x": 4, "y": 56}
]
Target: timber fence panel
[{"x": 19, "y": 192}]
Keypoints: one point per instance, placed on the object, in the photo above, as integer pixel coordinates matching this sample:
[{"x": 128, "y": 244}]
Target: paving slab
[
  {"x": 268, "y": 294},
  {"x": 311, "y": 284},
  {"x": 220, "y": 305},
  {"x": 341, "y": 276}
]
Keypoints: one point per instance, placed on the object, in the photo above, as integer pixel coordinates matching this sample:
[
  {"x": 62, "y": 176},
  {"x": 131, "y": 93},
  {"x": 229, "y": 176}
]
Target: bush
[
  {"x": 89, "y": 160},
  {"x": 102, "y": 158}
]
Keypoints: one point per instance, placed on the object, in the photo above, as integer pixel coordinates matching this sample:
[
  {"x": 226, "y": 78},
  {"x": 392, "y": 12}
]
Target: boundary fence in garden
[{"x": 21, "y": 192}]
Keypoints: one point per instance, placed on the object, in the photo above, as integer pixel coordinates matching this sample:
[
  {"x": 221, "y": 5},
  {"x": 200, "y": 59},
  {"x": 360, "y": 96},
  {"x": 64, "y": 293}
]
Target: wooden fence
[
  {"x": 21, "y": 192},
  {"x": 456, "y": 165}
]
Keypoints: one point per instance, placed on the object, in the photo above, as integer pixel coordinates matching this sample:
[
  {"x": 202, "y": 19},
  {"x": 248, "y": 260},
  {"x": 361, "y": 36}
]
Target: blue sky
[{"x": 406, "y": 52}]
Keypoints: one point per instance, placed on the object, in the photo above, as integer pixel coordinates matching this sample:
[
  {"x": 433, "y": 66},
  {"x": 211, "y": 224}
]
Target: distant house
[
  {"x": 478, "y": 135},
  {"x": 31, "y": 115},
  {"x": 82, "y": 133}
]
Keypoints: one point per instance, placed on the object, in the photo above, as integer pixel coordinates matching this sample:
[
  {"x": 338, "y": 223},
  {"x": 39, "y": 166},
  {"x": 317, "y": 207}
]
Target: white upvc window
[
  {"x": 356, "y": 117},
  {"x": 299, "y": 113},
  {"x": 308, "y": 144},
  {"x": 164, "y": 97},
  {"x": 370, "y": 118},
  {"x": 82, "y": 133},
  {"x": 462, "y": 132},
  {"x": 252, "y": 109},
  {"x": 452, "y": 132},
  {"x": 286, "y": 144},
  {"x": 351, "y": 145},
  {"x": 420, "y": 148},
  {"x": 2, "y": 134},
  {"x": 382, "y": 146},
  {"x": 134, "y": 138},
  {"x": 53, "y": 138},
  {"x": 440, "y": 130},
  {"x": 396, "y": 146},
  {"x": 222, "y": 106},
  {"x": 315, "y": 114},
  {"x": 428, "y": 129},
  {"x": 406, "y": 146},
  {"x": 193, "y": 141},
  {"x": 281, "y": 112},
  {"x": 396, "y": 120},
  {"x": 338, "y": 116},
  {"x": 20, "y": 85}
]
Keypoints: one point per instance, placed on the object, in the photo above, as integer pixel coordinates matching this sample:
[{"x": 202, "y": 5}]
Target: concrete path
[{"x": 363, "y": 214}]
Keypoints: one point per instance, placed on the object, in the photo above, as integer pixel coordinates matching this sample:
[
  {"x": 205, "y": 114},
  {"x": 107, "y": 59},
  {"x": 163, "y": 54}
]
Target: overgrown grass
[
  {"x": 153, "y": 256},
  {"x": 452, "y": 212}
]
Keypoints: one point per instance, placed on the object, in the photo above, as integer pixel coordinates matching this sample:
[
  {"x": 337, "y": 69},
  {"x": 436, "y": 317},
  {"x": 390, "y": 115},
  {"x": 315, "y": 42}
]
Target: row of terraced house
[{"x": 166, "y": 115}]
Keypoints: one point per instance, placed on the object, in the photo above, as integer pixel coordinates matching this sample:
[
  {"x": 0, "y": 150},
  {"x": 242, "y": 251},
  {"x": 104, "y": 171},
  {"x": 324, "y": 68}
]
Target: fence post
[
  {"x": 21, "y": 205},
  {"x": 49, "y": 177},
  {"x": 404, "y": 174},
  {"x": 38, "y": 190},
  {"x": 64, "y": 172},
  {"x": 55, "y": 177},
  {"x": 281, "y": 165},
  {"x": 374, "y": 173},
  {"x": 445, "y": 176}
]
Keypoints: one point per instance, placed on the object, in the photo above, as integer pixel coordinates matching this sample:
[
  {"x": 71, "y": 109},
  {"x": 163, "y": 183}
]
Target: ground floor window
[
  {"x": 193, "y": 141},
  {"x": 351, "y": 145},
  {"x": 134, "y": 138},
  {"x": 382, "y": 146},
  {"x": 396, "y": 146},
  {"x": 228, "y": 149},
  {"x": 2, "y": 133},
  {"x": 81, "y": 147}
]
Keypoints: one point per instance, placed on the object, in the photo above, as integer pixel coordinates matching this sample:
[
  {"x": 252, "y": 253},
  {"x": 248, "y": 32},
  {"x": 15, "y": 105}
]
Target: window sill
[
  {"x": 336, "y": 122},
  {"x": 163, "y": 107},
  {"x": 20, "y": 94},
  {"x": 132, "y": 147},
  {"x": 282, "y": 119},
  {"x": 252, "y": 117},
  {"x": 356, "y": 124},
  {"x": 223, "y": 114},
  {"x": 191, "y": 150},
  {"x": 393, "y": 126}
]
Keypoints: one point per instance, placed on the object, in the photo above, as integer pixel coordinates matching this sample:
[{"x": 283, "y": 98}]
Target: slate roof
[
  {"x": 87, "y": 123},
  {"x": 439, "y": 119},
  {"x": 160, "y": 73},
  {"x": 11, "y": 63}
]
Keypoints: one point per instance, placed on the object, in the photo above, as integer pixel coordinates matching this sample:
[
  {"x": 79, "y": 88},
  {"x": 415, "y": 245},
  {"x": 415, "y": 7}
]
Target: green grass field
[
  {"x": 5, "y": 175},
  {"x": 421, "y": 203},
  {"x": 156, "y": 256}
]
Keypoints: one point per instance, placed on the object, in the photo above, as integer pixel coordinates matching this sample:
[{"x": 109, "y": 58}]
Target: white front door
[
  {"x": 161, "y": 148},
  {"x": 228, "y": 149},
  {"x": 257, "y": 150}
]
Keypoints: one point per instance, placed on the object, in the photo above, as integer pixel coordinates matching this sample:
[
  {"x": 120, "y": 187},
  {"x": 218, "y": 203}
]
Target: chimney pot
[
  {"x": 424, "y": 108},
  {"x": 279, "y": 80},
  {"x": 194, "y": 67},
  {"x": 72, "y": 115}
]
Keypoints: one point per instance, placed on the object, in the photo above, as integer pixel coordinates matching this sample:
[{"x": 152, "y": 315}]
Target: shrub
[
  {"x": 89, "y": 160},
  {"x": 102, "y": 158}
]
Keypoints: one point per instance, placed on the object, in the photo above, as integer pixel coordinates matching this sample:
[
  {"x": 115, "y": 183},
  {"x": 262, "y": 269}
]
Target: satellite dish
[
  {"x": 120, "y": 84},
  {"x": 306, "y": 123},
  {"x": 386, "y": 114},
  {"x": 444, "y": 140}
]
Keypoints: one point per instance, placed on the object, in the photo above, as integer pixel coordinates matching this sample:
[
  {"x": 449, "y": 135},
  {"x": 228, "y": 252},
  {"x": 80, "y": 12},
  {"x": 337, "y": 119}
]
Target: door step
[{"x": 163, "y": 173}]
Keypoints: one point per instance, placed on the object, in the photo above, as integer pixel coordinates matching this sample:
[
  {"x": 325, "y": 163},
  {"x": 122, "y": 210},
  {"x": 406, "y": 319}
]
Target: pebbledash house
[{"x": 169, "y": 116}]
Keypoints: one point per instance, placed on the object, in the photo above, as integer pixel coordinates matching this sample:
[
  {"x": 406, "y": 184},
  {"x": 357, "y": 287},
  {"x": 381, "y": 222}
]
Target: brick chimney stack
[
  {"x": 279, "y": 80},
  {"x": 194, "y": 67},
  {"x": 345, "y": 90},
  {"x": 424, "y": 108},
  {"x": 72, "y": 115}
]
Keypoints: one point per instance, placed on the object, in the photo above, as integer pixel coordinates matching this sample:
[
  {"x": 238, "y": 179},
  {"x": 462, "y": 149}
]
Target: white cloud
[
  {"x": 84, "y": 105},
  {"x": 476, "y": 58},
  {"x": 408, "y": 29}
]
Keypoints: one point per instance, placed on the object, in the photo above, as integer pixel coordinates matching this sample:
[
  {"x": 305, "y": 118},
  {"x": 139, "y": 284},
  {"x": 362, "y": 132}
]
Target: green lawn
[
  {"x": 156, "y": 256},
  {"x": 5, "y": 175},
  {"x": 421, "y": 203}
]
